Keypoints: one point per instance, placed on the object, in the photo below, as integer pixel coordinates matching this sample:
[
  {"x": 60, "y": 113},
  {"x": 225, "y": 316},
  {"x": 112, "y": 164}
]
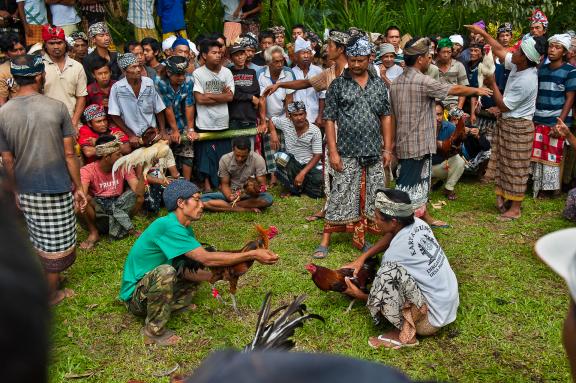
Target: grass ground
[{"x": 507, "y": 330}]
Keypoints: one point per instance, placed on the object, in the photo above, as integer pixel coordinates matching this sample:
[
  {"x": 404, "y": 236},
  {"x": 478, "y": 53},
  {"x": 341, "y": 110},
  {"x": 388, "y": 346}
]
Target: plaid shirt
[
  {"x": 413, "y": 98},
  {"x": 140, "y": 13},
  {"x": 357, "y": 112},
  {"x": 177, "y": 100},
  {"x": 96, "y": 95}
]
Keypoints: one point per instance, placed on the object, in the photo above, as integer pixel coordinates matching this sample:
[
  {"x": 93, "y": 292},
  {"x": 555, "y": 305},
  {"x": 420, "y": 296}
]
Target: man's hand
[
  {"x": 473, "y": 119},
  {"x": 274, "y": 141},
  {"x": 80, "y": 200},
  {"x": 484, "y": 92},
  {"x": 318, "y": 122},
  {"x": 356, "y": 266},
  {"x": 175, "y": 136},
  {"x": 192, "y": 135},
  {"x": 134, "y": 142},
  {"x": 226, "y": 90},
  {"x": 265, "y": 256},
  {"x": 475, "y": 29},
  {"x": 271, "y": 89},
  {"x": 352, "y": 290},
  {"x": 336, "y": 161},
  {"x": 262, "y": 128},
  {"x": 299, "y": 180},
  {"x": 475, "y": 132},
  {"x": 561, "y": 128},
  {"x": 255, "y": 101},
  {"x": 387, "y": 158},
  {"x": 494, "y": 110},
  {"x": 164, "y": 135}
]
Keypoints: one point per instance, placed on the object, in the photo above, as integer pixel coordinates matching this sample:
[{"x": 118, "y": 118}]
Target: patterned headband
[
  {"x": 94, "y": 111},
  {"x": 97, "y": 29},
  {"x": 176, "y": 65},
  {"x": 124, "y": 61},
  {"x": 296, "y": 106},
  {"x": 339, "y": 37},
  {"x": 506, "y": 27},
  {"x": 278, "y": 30},
  {"x": 360, "y": 47},
  {"x": 78, "y": 35},
  {"x": 391, "y": 208},
  {"x": 107, "y": 148},
  {"x": 26, "y": 66},
  {"x": 420, "y": 47}
]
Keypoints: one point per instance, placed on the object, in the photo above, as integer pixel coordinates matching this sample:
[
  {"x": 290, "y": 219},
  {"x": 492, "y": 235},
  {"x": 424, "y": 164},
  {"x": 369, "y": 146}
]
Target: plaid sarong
[
  {"x": 513, "y": 148},
  {"x": 35, "y": 36},
  {"x": 51, "y": 226},
  {"x": 269, "y": 153}
]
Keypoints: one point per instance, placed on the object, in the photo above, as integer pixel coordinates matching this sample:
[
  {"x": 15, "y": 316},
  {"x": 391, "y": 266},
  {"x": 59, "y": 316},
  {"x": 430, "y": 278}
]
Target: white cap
[
  {"x": 167, "y": 44},
  {"x": 35, "y": 48},
  {"x": 457, "y": 39},
  {"x": 302, "y": 45},
  {"x": 193, "y": 48},
  {"x": 558, "y": 251}
]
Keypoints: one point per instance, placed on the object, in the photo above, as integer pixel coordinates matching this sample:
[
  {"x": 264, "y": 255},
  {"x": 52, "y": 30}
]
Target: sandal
[
  {"x": 321, "y": 252},
  {"x": 381, "y": 341},
  {"x": 439, "y": 225},
  {"x": 169, "y": 338}
]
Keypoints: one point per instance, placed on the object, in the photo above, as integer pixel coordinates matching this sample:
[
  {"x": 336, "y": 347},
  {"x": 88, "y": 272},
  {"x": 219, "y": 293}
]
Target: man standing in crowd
[
  {"x": 266, "y": 40},
  {"x": 243, "y": 107},
  {"x": 358, "y": 102},
  {"x": 393, "y": 37},
  {"x": 297, "y": 168},
  {"x": 110, "y": 205},
  {"x": 213, "y": 90},
  {"x": 38, "y": 154},
  {"x": 413, "y": 97},
  {"x": 556, "y": 90},
  {"x": 65, "y": 77},
  {"x": 298, "y": 30},
  {"x": 101, "y": 39},
  {"x": 79, "y": 46},
  {"x": 452, "y": 72},
  {"x": 538, "y": 24},
  {"x": 134, "y": 103},
  {"x": 152, "y": 54},
  {"x": 304, "y": 69},
  {"x": 515, "y": 132},
  {"x": 250, "y": 43},
  {"x": 33, "y": 15},
  {"x": 141, "y": 15},
  {"x": 176, "y": 91},
  {"x": 99, "y": 90},
  {"x": 11, "y": 46},
  {"x": 388, "y": 70}
]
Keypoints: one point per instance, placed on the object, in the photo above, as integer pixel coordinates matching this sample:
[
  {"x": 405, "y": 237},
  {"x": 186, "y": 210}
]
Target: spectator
[
  {"x": 452, "y": 72},
  {"x": 176, "y": 90},
  {"x": 171, "y": 14},
  {"x": 305, "y": 70},
  {"x": 110, "y": 205},
  {"x": 99, "y": 90},
  {"x": 266, "y": 40},
  {"x": 135, "y": 114},
  {"x": 100, "y": 37},
  {"x": 392, "y": 36},
  {"x": 387, "y": 69},
  {"x": 11, "y": 46},
  {"x": 250, "y": 43},
  {"x": 79, "y": 46},
  {"x": 213, "y": 90},
  {"x": 538, "y": 24},
  {"x": 140, "y": 14},
  {"x": 152, "y": 54},
  {"x": 298, "y": 169},
  {"x": 37, "y": 149},
  {"x": 242, "y": 175},
  {"x": 135, "y": 48},
  {"x": 298, "y": 30},
  {"x": 250, "y": 16},
  {"x": 97, "y": 126},
  {"x": 65, "y": 78},
  {"x": 181, "y": 47},
  {"x": 64, "y": 15},
  {"x": 33, "y": 15}
]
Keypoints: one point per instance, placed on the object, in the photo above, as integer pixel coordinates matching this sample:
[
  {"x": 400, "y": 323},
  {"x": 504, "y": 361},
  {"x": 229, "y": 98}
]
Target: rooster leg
[
  {"x": 234, "y": 306},
  {"x": 350, "y": 306}
]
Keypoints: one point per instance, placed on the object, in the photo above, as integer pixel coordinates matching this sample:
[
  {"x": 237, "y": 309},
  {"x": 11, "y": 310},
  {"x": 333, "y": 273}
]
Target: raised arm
[{"x": 497, "y": 49}]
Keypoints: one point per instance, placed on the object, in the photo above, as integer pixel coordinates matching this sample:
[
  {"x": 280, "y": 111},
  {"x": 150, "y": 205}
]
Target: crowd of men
[{"x": 341, "y": 119}]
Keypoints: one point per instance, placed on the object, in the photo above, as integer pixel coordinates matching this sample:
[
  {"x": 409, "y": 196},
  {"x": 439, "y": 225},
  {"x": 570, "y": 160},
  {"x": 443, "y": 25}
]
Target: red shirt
[
  {"x": 96, "y": 95},
  {"x": 85, "y": 134},
  {"x": 102, "y": 184}
]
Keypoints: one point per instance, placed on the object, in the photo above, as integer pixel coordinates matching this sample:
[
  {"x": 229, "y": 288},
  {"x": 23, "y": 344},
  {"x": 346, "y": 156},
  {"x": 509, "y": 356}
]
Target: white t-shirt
[
  {"x": 303, "y": 147},
  {"x": 392, "y": 72},
  {"x": 309, "y": 96},
  {"x": 212, "y": 117},
  {"x": 64, "y": 15},
  {"x": 521, "y": 91},
  {"x": 416, "y": 249}
]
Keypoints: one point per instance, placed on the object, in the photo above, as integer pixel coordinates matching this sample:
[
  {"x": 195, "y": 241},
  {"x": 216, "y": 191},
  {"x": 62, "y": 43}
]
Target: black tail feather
[{"x": 277, "y": 334}]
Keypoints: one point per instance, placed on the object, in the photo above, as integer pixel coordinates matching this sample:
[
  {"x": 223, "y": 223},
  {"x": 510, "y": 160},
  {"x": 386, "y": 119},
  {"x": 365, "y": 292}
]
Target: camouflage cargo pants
[{"x": 158, "y": 294}]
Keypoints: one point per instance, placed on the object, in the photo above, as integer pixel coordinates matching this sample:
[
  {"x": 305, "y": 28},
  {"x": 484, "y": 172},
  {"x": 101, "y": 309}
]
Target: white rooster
[
  {"x": 486, "y": 67},
  {"x": 146, "y": 157}
]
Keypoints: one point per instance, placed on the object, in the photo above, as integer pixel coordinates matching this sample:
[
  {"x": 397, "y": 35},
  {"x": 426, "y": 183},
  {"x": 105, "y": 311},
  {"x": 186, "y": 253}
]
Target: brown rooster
[
  {"x": 232, "y": 273},
  {"x": 333, "y": 280},
  {"x": 451, "y": 146}
]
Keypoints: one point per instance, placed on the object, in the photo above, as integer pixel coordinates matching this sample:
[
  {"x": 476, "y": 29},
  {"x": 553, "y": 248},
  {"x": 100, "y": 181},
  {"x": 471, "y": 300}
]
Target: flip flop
[
  {"x": 323, "y": 250},
  {"x": 160, "y": 340},
  {"x": 439, "y": 225},
  {"x": 395, "y": 345}
]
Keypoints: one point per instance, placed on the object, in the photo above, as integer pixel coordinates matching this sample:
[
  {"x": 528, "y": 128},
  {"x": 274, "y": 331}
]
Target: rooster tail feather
[{"x": 277, "y": 334}]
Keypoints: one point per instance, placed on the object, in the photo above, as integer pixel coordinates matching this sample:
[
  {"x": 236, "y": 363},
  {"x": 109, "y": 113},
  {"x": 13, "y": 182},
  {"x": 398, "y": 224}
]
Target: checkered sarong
[
  {"x": 35, "y": 36},
  {"x": 51, "y": 227},
  {"x": 269, "y": 153}
]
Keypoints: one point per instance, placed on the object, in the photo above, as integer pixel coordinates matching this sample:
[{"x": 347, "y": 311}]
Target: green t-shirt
[{"x": 162, "y": 241}]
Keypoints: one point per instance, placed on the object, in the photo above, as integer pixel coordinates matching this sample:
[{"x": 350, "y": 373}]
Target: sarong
[
  {"x": 35, "y": 36},
  {"x": 112, "y": 214},
  {"x": 350, "y": 206},
  {"x": 414, "y": 175},
  {"x": 570, "y": 209},
  {"x": 142, "y": 33},
  {"x": 51, "y": 226},
  {"x": 569, "y": 168},
  {"x": 546, "y": 158},
  {"x": 287, "y": 168},
  {"x": 208, "y": 154},
  {"x": 269, "y": 152},
  {"x": 513, "y": 148}
]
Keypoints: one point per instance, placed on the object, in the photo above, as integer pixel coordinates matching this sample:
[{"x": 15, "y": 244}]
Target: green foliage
[
  {"x": 203, "y": 17},
  {"x": 423, "y": 19},
  {"x": 313, "y": 16},
  {"x": 369, "y": 15}
]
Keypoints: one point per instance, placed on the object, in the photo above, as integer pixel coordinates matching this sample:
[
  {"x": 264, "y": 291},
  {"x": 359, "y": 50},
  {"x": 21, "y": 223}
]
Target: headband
[
  {"x": 124, "y": 61},
  {"x": 51, "y": 32},
  {"x": 107, "y": 148},
  {"x": 94, "y": 111},
  {"x": 506, "y": 27},
  {"x": 296, "y": 106},
  {"x": 539, "y": 17},
  {"x": 391, "y": 208},
  {"x": 176, "y": 64},
  {"x": 564, "y": 39},
  {"x": 420, "y": 47},
  {"x": 97, "y": 29},
  {"x": 339, "y": 37},
  {"x": 26, "y": 66},
  {"x": 360, "y": 47},
  {"x": 528, "y": 46},
  {"x": 445, "y": 43}
]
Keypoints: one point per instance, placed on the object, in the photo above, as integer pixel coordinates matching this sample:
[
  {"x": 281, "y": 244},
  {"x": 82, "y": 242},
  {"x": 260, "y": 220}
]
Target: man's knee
[
  {"x": 266, "y": 199},
  {"x": 164, "y": 277}
]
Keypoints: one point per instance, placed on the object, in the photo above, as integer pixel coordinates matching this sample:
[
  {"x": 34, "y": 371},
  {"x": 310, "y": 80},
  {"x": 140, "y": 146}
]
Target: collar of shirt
[
  {"x": 146, "y": 83},
  {"x": 267, "y": 73},
  {"x": 236, "y": 165},
  {"x": 68, "y": 62}
]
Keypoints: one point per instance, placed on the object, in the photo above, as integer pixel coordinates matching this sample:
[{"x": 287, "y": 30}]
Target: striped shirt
[
  {"x": 552, "y": 87},
  {"x": 140, "y": 13},
  {"x": 301, "y": 147}
]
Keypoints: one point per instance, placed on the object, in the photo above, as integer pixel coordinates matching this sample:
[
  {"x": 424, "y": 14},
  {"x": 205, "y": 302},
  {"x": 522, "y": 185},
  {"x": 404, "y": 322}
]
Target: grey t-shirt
[
  {"x": 32, "y": 128},
  {"x": 212, "y": 117}
]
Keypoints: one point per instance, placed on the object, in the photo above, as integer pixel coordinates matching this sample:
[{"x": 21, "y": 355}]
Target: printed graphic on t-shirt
[
  {"x": 422, "y": 241},
  {"x": 243, "y": 79},
  {"x": 214, "y": 86}
]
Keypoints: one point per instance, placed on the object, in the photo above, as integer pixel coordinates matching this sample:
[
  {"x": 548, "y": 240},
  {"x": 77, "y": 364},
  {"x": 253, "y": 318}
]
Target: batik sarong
[
  {"x": 51, "y": 226},
  {"x": 546, "y": 158},
  {"x": 287, "y": 168},
  {"x": 113, "y": 214},
  {"x": 414, "y": 175},
  {"x": 350, "y": 206}
]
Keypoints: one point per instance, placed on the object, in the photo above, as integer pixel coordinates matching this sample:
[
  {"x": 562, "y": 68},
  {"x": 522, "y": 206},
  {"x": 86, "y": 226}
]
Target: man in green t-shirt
[{"x": 151, "y": 286}]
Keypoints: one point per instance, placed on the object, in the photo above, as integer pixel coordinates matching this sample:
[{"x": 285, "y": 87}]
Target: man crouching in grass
[{"x": 151, "y": 286}]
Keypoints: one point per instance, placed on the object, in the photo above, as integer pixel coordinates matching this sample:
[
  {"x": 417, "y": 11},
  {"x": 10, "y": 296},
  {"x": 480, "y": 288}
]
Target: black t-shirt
[
  {"x": 245, "y": 87},
  {"x": 258, "y": 59},
  {"x": 89, "y": 59}
]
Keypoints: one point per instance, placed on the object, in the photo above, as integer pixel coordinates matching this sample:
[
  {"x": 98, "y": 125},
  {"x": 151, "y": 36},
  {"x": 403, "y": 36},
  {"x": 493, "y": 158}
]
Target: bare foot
[
  {"x": 168, "y": 338},
  {"x": 90, "y": 242},
  {"x": 60, "y": 295}
]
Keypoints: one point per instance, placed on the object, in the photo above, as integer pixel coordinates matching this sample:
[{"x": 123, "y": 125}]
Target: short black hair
[
  {"x": 8, "y": 41},
  {"x": 98, "y": 63},
  {"x": 24, "y": 80},
  {"x": 104, "y": 139},
  {"x": 241, "y": 143},
  {"x": 154, "y": 44},
  {"x": 216, "y": 36},
  {"x": 400, "y": 197},
  {"x": 265, "y": 35},
  {"x": 206, "y": 44},
  {"x": 130, "y": 45},
  {"x": 391, "y": 28},
  {"x": 299, "y": 26},
  {"x": 410, "y": 60},
  {"x": 541, "y": 46}
]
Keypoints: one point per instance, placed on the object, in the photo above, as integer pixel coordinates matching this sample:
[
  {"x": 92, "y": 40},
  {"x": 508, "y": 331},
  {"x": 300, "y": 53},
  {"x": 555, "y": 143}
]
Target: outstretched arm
[{"x": 497, "y": 49}]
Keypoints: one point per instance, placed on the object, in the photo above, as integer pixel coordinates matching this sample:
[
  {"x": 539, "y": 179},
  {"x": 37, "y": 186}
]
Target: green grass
[{"x": 507, "y": 330}]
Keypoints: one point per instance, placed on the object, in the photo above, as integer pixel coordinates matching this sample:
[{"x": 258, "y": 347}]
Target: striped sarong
[
  {"x": 51, "y": 226},
  {"x": 513, "y": 148}
]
